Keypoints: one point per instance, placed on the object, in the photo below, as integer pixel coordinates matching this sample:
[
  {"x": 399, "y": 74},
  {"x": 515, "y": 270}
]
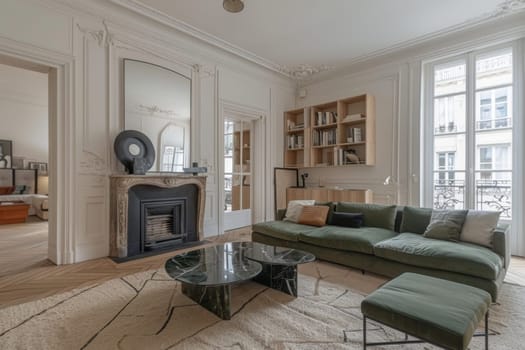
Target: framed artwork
[
  {"x": 18, "y": 163},
  {"x": 6, "y": 154},
  {"x": 41, "y": 167}
]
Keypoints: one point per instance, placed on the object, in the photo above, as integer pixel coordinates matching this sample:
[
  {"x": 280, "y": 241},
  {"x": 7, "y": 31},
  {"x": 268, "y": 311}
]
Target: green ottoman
[{"x": 440, "y": 312}]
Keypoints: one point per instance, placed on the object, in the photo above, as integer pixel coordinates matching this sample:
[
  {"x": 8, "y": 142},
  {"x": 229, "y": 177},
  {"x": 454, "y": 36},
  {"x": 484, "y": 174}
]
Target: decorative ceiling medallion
[
  {"x": 509, "y": 6},
  {"x": 305, "y": 71},
  {"x": 156, "y": 110},
  {"x": 233, "y": 6}
]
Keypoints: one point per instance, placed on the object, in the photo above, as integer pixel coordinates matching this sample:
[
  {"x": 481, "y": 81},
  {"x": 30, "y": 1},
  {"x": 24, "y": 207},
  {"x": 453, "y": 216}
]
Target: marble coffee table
[{"x": 207, "y": 274}]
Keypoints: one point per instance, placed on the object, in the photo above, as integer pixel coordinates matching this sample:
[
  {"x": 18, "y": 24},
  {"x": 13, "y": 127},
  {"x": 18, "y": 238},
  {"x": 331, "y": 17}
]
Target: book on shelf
[
  {"x": 325, "y": 118},
  {"x": 324, "y": 137},
  {"x": 353, "y": 117},
  {"x": 291, "y": 125},
  {"x": 295, "y": 141},
  {"x": 354, "y": 135}
]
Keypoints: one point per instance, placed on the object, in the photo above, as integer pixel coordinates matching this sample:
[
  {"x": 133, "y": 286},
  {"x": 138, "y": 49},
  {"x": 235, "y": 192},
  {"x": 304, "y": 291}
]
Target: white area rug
[{"x": 147, "y": 311}]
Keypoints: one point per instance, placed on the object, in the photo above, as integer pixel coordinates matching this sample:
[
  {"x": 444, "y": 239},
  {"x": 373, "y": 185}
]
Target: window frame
[{"x": 427, "y": 122}]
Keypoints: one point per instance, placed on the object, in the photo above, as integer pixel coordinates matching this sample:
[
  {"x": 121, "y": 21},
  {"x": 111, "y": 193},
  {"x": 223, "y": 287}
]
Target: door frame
[
  {"x": 258, "y": 145},
  {"x": 61, "y": 124}
]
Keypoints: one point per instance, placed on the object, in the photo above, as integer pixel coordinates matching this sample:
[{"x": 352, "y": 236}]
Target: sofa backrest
[{"x": 374, "y": 215}]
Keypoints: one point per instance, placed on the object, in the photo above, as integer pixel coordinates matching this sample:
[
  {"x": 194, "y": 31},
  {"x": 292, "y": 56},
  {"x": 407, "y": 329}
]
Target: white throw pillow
[
  {"x": 294, "y": 209},
  {"x": 479, "y": 227}
]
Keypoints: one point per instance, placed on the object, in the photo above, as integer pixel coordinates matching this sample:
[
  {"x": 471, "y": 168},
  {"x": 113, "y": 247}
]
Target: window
[{"x": 465, "y": 138}]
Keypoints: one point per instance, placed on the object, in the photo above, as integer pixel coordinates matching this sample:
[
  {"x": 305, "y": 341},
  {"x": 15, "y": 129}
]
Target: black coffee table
[{"x": 207, "y": 274}]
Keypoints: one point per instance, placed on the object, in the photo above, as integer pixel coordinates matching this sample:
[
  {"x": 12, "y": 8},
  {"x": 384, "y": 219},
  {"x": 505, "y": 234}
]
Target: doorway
[
  {"x": 238, "y": 172},
  {"x": 26, "y": 96}
]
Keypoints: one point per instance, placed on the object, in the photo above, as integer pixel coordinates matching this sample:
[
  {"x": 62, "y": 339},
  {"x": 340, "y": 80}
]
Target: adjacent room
[{"x": 248, "y": 174}]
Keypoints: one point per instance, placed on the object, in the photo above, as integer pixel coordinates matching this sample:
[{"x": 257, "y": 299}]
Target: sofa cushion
[
  {"x": 285, "y": 230},
  {"x": 465, "y": 258},
  {"x": 331, "y": 208},
  {"x": 415, "y": 220},
  {"x": 359, "y": 240},
  {"x": 374, "y": 215},
  {"x": 354, "y": 220},
  {"x": 294, "y": 209},
  {"x": 479, "y": 227},
  {"x": 314, "y": 215},
  {"x": 446, "y": 224}
]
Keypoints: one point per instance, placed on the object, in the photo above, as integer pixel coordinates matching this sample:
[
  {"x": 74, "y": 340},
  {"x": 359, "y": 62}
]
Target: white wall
[
  {"x": 86, "y": 41},
  {"x": 23, "y": 112}
]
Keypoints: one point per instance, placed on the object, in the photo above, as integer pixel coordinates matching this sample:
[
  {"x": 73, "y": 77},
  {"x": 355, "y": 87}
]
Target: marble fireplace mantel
[{"x": 120, "y": 185}]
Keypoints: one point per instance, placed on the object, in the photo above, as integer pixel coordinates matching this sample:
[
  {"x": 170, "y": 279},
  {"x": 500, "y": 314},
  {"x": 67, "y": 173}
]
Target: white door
[{"x": 237, "y": 206}]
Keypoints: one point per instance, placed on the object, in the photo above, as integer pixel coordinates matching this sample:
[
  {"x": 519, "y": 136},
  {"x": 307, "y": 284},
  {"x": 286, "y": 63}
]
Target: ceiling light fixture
[{"x": 233, "y": 5}]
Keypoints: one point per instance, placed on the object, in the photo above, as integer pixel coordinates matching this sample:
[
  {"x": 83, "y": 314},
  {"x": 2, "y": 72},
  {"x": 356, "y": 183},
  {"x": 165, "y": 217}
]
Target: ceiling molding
[
  {"x": 192, "y": 31},
  {"x": 304, "y": 71}
]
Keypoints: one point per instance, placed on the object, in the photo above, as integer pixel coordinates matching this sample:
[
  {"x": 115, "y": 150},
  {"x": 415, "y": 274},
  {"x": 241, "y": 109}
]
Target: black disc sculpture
[{"x": 135, "y": 151}]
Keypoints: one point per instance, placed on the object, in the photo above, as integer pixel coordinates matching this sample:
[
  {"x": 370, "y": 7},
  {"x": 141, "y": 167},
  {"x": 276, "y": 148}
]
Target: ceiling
[{"x": 328, "y": 33}]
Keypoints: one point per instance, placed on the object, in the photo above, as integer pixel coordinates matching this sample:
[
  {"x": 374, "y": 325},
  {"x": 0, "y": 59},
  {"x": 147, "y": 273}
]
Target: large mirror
[{"x": 158, "y": 103}]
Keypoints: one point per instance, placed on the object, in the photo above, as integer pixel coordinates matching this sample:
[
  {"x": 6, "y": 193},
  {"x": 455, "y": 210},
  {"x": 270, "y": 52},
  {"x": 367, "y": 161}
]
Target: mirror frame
[{"x": 191, "y": 142}]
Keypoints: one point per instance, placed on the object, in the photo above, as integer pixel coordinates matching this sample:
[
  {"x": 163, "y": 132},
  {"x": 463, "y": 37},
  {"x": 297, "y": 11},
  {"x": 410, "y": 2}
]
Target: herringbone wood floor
[{"x": 26, "y": 275}]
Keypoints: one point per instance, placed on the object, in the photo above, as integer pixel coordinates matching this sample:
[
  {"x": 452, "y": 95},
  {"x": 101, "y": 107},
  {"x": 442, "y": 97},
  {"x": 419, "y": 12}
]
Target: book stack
[
  {"x": 354, "y": 135},
  {"x": 353, "y": 117},
  {"x": 324, "y": 137},
  {"x": 291, "y": 125},
  {"x": 324, "y": 118},
  {"x": 295, "y": 141}
]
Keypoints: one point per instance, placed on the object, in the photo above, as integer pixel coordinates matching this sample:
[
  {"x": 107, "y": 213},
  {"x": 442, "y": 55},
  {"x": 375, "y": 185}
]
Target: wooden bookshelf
[
  {"x": 330, "y": 133},
  {"x": 296, "y": 138}
]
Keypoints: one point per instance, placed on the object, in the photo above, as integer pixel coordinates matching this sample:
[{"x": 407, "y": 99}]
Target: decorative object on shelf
[
  {"x": 233, "y": 6},
  {"x": 18, "y": 162},
  {"x": 352, "y": 157},
  {"x": 303, "y": 180},
  {"x": 135, "y": 151},
  {"x": 6, "y": 153},
  {"x": 40, "y": 166},
  {"x": 195, "y": 169}
]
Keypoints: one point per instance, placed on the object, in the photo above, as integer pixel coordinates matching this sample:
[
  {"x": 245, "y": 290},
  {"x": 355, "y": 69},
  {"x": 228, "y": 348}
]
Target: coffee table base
[
  {"x": 279, "y": 277},
  {"x": 214, "y": 299}
]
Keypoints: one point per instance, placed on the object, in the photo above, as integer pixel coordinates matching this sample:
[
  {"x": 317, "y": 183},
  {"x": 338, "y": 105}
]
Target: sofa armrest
[
  {"x": 502, "y": 242},
  {"x": 280, "y": 214}
]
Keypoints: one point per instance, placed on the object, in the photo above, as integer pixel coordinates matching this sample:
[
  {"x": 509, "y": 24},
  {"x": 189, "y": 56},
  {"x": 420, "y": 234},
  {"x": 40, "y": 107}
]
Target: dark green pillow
[
  {"x": 415, "y": 220},
  {"x": 374, "y": 215},
  {"x": 446, "y": 224},
  {"x": 331, "y": 208}
]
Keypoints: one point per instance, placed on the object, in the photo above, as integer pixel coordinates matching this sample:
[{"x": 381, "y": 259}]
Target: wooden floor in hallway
[{"x": 26, "y": 274}]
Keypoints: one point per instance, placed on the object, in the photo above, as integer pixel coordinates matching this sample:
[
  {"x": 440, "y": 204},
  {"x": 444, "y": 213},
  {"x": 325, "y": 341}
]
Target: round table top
[{"x": 230, "y": 263}]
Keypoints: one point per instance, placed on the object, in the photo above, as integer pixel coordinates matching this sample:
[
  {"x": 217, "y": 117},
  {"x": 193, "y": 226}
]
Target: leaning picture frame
[{"x": 6, "y": 154}]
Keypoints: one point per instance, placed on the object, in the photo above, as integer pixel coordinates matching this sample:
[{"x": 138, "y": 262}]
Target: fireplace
[
  {"x": 155, "y": 212},
  {"x": 159, "y": 217}
]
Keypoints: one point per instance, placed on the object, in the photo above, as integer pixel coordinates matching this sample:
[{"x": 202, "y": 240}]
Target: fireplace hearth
[{"x": 155, "y": 213}]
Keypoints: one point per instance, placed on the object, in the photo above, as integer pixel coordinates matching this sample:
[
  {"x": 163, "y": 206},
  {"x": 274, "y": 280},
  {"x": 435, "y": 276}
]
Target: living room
[{"x": 249, "y": 68}]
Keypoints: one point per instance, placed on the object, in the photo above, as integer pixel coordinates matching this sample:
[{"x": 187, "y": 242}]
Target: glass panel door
[{"x": 237, "y": 173}]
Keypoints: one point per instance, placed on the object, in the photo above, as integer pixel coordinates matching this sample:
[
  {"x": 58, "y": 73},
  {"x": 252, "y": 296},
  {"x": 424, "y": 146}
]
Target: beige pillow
[
  {"x": 314, "y": 215},
  {"x": 479, "y": 227},
  {"x": 294, "y": 209}
]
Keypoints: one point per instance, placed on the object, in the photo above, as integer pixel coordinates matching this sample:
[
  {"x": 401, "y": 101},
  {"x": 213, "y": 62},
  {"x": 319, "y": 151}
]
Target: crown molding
[
  {"x": 194, "y": 32},
  {"x": 303, "y": 72}
]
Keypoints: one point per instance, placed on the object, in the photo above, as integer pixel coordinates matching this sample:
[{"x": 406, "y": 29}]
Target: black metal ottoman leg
[
  {"x": 487, "y": 330},
  {"x": 364, "y": 332}
]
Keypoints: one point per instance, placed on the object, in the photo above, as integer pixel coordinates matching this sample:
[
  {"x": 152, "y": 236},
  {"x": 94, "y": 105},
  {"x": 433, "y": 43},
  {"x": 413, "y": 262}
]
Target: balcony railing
[
  {"x": 495, "y": 123},
  {"x": 490, "y": 195},
  {"x": 445, "y": 129}
]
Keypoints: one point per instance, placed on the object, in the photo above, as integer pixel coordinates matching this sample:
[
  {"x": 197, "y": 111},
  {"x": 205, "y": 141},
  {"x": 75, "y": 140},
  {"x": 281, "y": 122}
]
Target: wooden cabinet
[
  {"x": 337, "y": 133},
  {"x": 322, "y": 194}
]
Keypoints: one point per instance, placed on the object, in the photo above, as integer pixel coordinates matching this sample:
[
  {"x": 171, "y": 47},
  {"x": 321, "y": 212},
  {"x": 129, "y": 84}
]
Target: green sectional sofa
[{"x": 391, "y": 242}]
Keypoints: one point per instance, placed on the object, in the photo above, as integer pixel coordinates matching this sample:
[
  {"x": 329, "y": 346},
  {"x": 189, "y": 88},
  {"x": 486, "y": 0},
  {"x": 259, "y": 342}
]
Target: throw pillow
[
  {"x": 294, "y": 209},
  {"x": 479, "y": 227},
  {"x": 331, "y": 206},
  {"x": 446, "y": 224},
  {"x": 354, "y": 220},
  {"x": 374, "y": 215},
  {"x": 314, "y": 215},
  {"x": 415, "y": 220}
]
